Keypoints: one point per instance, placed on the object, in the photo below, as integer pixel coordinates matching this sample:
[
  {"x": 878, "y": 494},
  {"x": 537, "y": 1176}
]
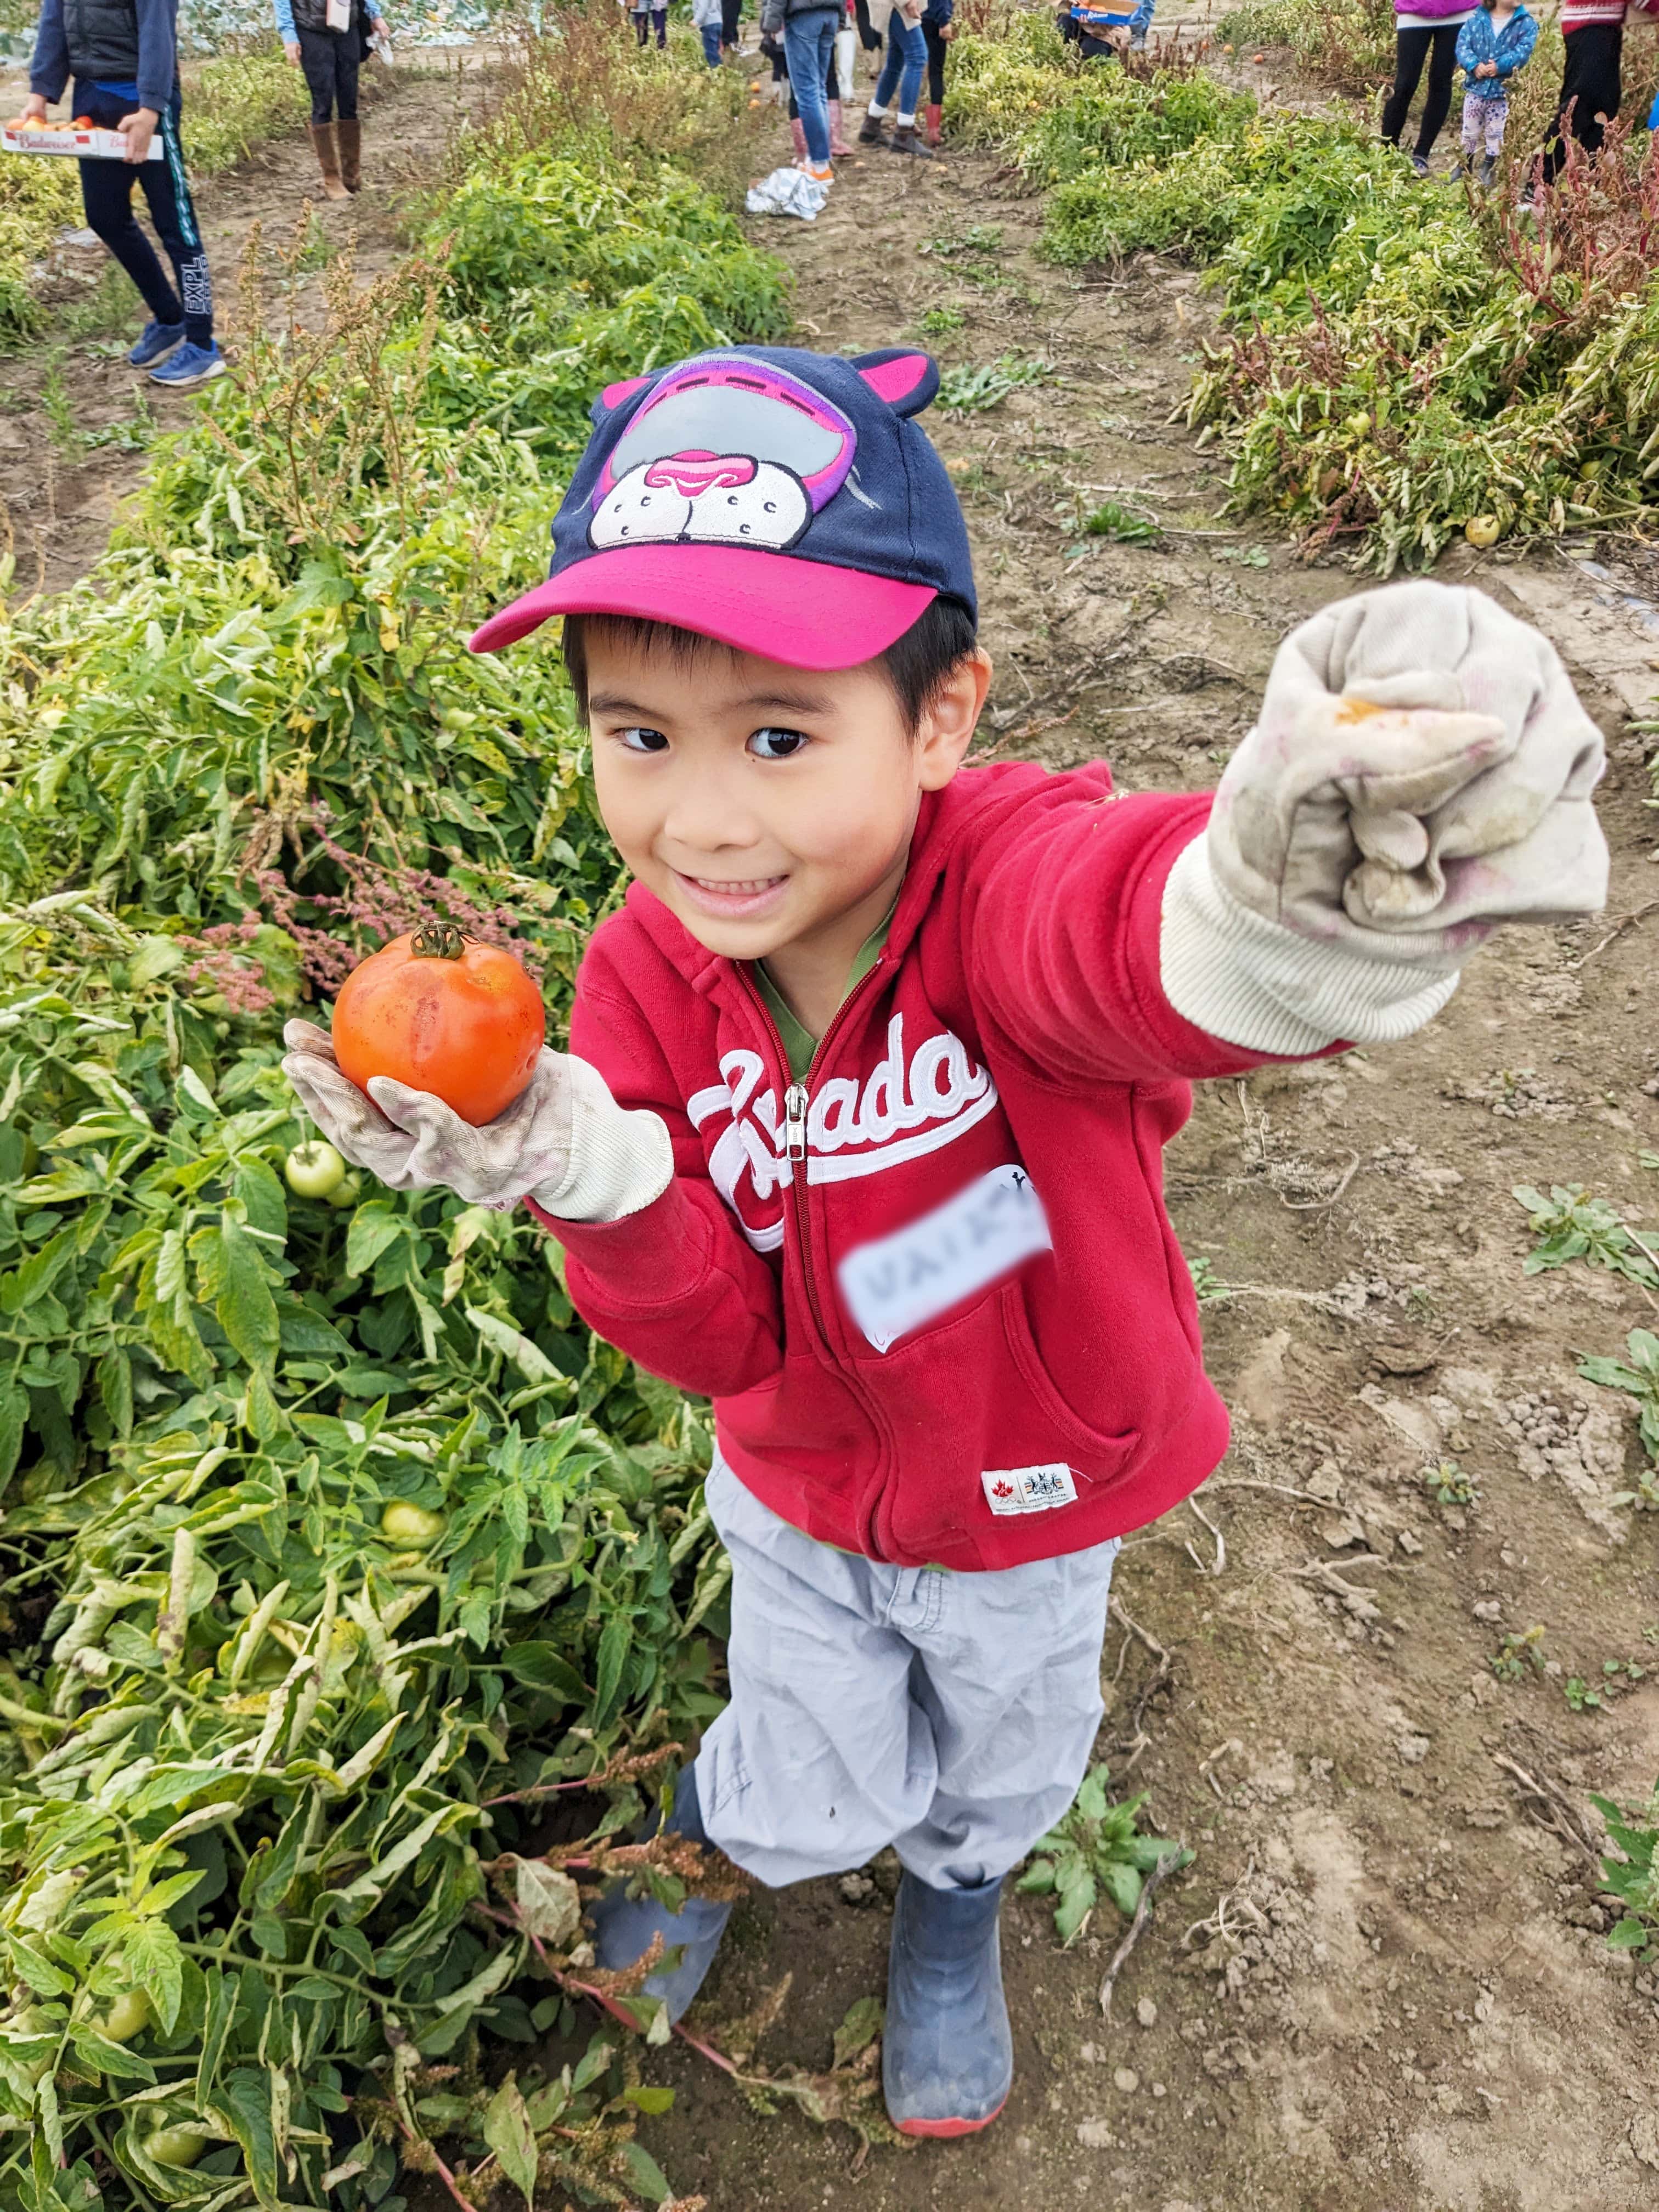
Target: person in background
[
  {"x": 709, "y": 21},
  {"x": 808, "y": 28},
  {"x": 1424, "y": 31},
  {"x": 1593, "y": 31},
  {"x": 1104, "y": 30},
  {"x": 123, "y": 57},
  {"x": 937, "y": 30},
  {"x": 329, "y": 55},
  {"x": 648, "y": 17},
  {"x": 900, "y": 79},
  {"x": 838, "y": 144},
  {"x": 730, "y": 21},
  {"x": 1496, "y": 40}
]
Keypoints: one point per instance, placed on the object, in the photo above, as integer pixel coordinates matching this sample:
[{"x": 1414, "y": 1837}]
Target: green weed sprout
[
  {"x": 1095, "y": 1847},
  {"x": 1633, "y": 1877}
]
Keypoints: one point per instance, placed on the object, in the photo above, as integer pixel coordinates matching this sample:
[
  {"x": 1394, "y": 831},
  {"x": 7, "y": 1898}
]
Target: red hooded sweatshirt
[{"x": 932, "y": 1291}]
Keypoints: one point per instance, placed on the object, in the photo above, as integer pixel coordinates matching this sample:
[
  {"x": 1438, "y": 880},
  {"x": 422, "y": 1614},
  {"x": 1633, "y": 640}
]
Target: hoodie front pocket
[{"x": 1100, "y": 1454}]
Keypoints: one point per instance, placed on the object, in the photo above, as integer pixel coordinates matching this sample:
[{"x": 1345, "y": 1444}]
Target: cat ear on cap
[
  {"x": 618, "y": 395},
  {"x": 907, "y": 381}
]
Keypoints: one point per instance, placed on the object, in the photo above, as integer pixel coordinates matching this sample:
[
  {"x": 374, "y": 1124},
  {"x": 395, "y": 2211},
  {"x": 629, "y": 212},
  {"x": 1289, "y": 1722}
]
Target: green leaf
[
  {"x": 858, "y": 2030},
  {"x": 507, "y": 2132},
  {"x": 245, "y": 2103},
  {"x": 107, "y": 2058},
  {"x": 645, "y": 2099},
  {"x": 115, "y": 1390},
  {"x": 540, "y": 1666},
  {"x": 1123, "y": 1884},
  {"x": 374, "y": 1227},
  {"x": 156, "y": 1965},
  {"x": 615, "y": 1640},
  {"x": 245, "y": 1309},
  {"x": 1076, "y": 1904},
  {"x": 1630, "y": 1933},
  {"x": 648, "y": 2176},
  {"x": 14, "y": 1417}
]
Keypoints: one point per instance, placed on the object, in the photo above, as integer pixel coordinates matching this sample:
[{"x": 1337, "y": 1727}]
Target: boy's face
[{"x": 766, "y": 805}]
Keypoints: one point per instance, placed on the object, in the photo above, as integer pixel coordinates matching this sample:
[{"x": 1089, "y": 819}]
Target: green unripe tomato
[
  {"x": 128, "y": 2014},
  {"x": 314, "y": 1170},
  {"x": 346, "y": 1192},
  {"x": 409, "y": 1526},
  {"x": 1359, "y": 425},
  {"x": 175, "y": 2147}
]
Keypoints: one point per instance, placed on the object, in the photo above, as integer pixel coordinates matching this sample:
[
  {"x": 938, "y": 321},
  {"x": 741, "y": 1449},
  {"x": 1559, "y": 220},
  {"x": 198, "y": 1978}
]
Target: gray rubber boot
[
  {"x": 623, "y": 1926},
  {"x": 947, "y": 2052}
]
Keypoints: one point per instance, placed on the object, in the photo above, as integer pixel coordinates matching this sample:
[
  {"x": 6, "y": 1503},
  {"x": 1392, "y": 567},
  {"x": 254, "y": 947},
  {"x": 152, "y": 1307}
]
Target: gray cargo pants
[{"x": 950, "y": 1715}]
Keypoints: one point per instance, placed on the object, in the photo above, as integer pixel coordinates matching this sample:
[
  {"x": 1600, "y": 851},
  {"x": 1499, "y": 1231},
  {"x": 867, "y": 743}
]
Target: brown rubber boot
[
  {"x": 873, "y": 131},
  {"x": 322, "y": 137},
  {"x": 930, "y": 129},
  {"x": 350, "y": 136},
  {"x": 905, "y": 141}
]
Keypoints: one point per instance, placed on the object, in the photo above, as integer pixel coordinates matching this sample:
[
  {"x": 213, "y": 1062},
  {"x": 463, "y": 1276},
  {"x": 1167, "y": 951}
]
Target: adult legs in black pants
[
  {"x": 731, "y": 16},
  {"x": 1591, "y": 89},
  {"x": 1438, "y": 47}
]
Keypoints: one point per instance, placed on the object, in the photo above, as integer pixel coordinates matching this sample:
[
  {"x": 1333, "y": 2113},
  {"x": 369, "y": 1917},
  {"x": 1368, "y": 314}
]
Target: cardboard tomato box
[{"x": 80, "y": 145}]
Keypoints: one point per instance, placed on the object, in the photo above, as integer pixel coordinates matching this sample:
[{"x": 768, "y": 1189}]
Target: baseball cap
[{"x": 781, "y": 501}]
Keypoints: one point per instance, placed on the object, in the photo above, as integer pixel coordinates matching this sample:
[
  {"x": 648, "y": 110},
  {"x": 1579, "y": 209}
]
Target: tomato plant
[{"x": 332, "y": 1540}]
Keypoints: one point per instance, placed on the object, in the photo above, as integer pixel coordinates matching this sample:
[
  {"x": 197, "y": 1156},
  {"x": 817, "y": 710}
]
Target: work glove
[
  {"x": 1421, "y": 770},
  {"x": 563, "y": 1142}
]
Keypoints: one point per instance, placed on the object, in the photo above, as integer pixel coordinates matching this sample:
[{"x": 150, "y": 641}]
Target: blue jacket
[
  {"x": 939, "y": 13},
  {"x": 158, "y": 52},
  {"x": 1509, "y": 48}
]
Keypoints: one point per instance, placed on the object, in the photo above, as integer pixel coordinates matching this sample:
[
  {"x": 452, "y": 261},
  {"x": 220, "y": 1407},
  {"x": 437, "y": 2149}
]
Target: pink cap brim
[{"x": 807, "y": 614}]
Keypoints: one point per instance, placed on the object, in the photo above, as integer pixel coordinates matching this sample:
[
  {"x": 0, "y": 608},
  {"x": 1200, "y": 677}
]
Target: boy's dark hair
[{"x": 940, "y": 640}]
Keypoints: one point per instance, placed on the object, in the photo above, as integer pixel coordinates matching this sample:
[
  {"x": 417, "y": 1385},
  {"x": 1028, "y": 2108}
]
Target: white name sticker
[
  {"x": 1028, "y": 1489},
  {"x": 899, "y": 1282}
]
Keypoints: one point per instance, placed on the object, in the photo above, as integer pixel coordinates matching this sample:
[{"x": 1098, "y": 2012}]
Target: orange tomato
[
  {"x": 444, "y": 1013},
  {"x": 84, "y": 123}
]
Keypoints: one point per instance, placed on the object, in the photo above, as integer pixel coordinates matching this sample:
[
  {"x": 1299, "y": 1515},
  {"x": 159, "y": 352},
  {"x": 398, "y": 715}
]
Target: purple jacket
[{"x": 1438, "y": 8}]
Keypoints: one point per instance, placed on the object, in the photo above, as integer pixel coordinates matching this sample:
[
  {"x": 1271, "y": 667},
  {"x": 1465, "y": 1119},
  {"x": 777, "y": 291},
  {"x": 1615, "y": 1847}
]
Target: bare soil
[
  {"x": 61, "y": 490},
  {"x": 1383, "y": 1983}
]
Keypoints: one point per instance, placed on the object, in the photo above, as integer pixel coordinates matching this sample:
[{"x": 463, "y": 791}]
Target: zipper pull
[{"x": 794, "y": 1121}]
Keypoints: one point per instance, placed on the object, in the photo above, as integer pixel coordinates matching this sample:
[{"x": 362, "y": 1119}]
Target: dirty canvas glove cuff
[
  {"x": 621, "y": 1159},
  {"x": 1253, "y": 982},
  {"x": 1421, "y": 770}
]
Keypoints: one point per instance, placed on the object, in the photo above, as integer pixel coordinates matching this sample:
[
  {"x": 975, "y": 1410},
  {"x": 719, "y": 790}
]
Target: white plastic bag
[{"x": 788, "y": 191}]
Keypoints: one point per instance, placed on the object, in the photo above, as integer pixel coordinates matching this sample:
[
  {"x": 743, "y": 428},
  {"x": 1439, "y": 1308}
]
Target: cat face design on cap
[{"x": 728, "y": 452}]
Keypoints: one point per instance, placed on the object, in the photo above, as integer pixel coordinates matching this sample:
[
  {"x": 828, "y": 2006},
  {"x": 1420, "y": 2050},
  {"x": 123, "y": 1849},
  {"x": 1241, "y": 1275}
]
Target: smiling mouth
[{"x": 731, "y": 896}]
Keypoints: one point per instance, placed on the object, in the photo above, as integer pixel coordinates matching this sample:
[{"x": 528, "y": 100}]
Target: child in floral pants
[{"x": 1496, "y": 40}]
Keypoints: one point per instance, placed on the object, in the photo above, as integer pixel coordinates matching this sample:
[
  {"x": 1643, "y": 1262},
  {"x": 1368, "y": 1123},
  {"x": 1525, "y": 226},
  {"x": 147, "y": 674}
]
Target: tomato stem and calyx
[{"x": 440, "y": 940}]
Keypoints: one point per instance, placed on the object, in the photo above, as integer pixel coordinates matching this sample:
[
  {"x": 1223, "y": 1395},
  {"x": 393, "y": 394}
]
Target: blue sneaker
[
  {"x": 623, "y": 1926},
  {"x": 188, "y": 366},
  {"x": 947, "y": 2054},
  {"x": 157, "y": 342}
]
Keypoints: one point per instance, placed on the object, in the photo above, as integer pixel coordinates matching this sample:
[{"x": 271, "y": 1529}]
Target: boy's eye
[
  {"x": 639, "y": 740},
  {"x": 778, "y": 745}
]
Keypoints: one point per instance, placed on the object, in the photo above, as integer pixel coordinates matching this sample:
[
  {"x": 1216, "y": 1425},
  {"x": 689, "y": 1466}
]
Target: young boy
[
  {"x": 872, "y": 1077},
  {"x": 124, "y": 56}
]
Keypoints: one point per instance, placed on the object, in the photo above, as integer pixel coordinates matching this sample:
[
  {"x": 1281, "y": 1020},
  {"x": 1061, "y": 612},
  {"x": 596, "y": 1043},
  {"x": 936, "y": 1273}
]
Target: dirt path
[
  {"x": 1399, "y": 1996},
  {"x": 75, "y": 421}
]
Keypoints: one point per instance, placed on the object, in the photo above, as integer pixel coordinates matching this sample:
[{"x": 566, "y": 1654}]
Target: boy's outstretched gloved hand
[
  {"x": 1420, "y": 763},
  {"x": 1421, "y": 772},
  {"x": 564, "y": 1142}
]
